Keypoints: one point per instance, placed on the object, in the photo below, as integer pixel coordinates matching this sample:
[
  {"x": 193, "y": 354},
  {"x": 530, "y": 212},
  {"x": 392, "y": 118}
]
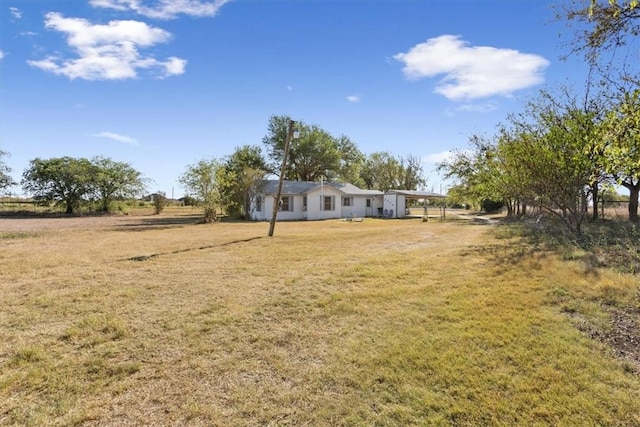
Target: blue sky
[{"x": 161, "y": 84}]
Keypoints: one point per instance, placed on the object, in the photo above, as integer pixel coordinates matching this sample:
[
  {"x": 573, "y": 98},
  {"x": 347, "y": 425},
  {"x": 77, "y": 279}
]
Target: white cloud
[
  {"x": 164, "y": 9},
  {"x": 15, "y": 12},
  {"x": 28, "y": 33},
  {"x": 107, "y": 52},
  {"x": 113, "y": 4},
  {"x": 485, "y": 107},
  {"x": 353, "y": 98},
  {"x": 472, "y": 71},
  {"x": 1, "y": 55},
  {"x": 116, "y": 137},
  {"x": 175, "y": 66}
]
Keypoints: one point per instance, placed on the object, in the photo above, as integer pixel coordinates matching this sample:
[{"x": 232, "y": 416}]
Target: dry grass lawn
[{"x": 157, "y": 320}]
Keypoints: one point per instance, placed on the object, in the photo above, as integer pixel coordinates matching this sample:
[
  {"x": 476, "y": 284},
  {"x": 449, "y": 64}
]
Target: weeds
[{"x": 388, "y": 323}]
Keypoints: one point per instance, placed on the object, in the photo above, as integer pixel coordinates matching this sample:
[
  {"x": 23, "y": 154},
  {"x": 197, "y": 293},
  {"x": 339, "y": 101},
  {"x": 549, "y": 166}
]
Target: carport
[{"x": 395, "y": 203}]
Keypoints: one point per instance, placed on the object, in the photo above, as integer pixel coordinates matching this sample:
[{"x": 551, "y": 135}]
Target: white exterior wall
[
  {"x": 390, "y": 202},
  {"x": 358, "y": 208},
  {"x": 402, "y": 206},
  {"x": 314, "y": 206},
  {"x": 296, "y": 213},
  {"x": 259, "y": 216},
  {"x": 314, "y": 212},
  {"x": 397, "y": 203},
  {"x": 377, "y": 204},
  {"x": 267, "y": 209}
]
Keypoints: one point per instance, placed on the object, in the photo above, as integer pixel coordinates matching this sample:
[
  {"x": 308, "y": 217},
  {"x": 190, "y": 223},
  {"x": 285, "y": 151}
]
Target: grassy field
[{"x": 157, "y": 320}]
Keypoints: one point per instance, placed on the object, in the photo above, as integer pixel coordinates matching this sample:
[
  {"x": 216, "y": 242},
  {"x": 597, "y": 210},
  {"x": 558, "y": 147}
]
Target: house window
[
  {"x": 286, "y": 204},
  {"x": 328, "y": 203},
  {"x": 304, "y": 203},
  {"x": 368, "y": 203},
  {"x": 259, "y": 204},
  {"x": 347, "y": 201}
]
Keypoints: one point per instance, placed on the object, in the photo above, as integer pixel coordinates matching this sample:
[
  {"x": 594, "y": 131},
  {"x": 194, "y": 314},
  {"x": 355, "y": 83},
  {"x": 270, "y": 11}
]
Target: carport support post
[{"x": 276, "y": 201}]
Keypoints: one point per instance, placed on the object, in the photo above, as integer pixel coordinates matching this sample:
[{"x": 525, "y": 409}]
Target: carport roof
[
  {"x": 415, "y": 194},
  {"x": 302, "y": 187}
]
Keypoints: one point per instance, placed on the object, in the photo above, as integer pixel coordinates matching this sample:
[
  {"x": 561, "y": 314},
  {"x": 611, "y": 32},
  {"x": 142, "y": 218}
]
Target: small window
[
  {"x": 347, "y": 201},
  {"x": 368, "y": 203},
  {"x": 304, "y": 203},
  {"x": 328, "y": 203},
  {"x": 259, "y": 204},
  {"x": 287, "y": 204}
]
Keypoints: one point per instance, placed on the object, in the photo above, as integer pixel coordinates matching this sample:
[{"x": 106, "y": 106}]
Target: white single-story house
[{"x": 316, "y": 200}]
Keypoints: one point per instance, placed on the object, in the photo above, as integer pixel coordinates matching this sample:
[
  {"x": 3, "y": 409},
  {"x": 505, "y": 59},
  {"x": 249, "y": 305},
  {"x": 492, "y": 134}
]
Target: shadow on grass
[
  {"x": 159, "y": 223},
  {"x": 40, "y": 215},
  {"x": 200, "y": 248},
  {"x": 525, "y": 243},
  {"x": 503, "y": 257}
]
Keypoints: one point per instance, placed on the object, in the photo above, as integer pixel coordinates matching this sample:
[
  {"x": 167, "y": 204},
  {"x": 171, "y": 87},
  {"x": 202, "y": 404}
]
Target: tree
[
  {"x": 383, "y": 171},
  {"x": 351, "y": 161},
  {"x": 242, "y": 177},
  {"x": 601, "y": 29},
  {"x": 111, "y": 180},
  {"x": 480, "y": 175},
  {"x": 202, "y": 180},
  {"x": 63, "y": 180},
  {"x": 620, "y": 142},
  {"x": 313, "y": 155},
  {"x": 543, "y": 157},
  {"x": 548, "y": 149},
  {"x": 5, "y": 178},
  {"x": 412, "y": 173}
]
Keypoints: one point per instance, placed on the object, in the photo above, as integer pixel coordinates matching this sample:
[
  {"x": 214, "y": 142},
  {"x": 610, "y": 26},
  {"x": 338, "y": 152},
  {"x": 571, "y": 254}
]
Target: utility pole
[{"x": 276, "y": 200}]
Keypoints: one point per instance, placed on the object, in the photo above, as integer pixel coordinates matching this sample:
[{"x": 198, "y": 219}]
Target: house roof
[
  {"x": 418, "y": 194},
  {"x": 288, "y": 187},
  {"x": 352, "y": 190},
  {"x": 302, "y": 187}
]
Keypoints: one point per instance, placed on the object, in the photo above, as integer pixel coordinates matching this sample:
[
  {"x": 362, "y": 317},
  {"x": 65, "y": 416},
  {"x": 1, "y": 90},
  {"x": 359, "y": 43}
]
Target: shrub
[
  {"x": 159, "y": 200},
  {"x": 189, "y": 201}
]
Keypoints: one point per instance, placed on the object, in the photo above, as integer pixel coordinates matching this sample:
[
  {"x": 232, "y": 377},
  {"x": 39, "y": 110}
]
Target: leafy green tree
[
  {"x": 242, "y": 178},
  {"x": 542, "y": 158},
  {"x": 62, "y": 180},
  {"x": 605, "y": 32},
  {"x": 5, "y": 178},
  {"x": 383, "y": 171},
  {"x": 412, "y": 173},
  {"x": 111, "y": 180},
  {"x": 480, "y": 175},
  {"x": 457, "y": 196},
  {"x": 313, "y": 154},
  {"x": 549, "y": 151},
  {"x": 620, "y": 142},
  {"x": 351, "y": 161},
  {"x": 202, "y": 181}
]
